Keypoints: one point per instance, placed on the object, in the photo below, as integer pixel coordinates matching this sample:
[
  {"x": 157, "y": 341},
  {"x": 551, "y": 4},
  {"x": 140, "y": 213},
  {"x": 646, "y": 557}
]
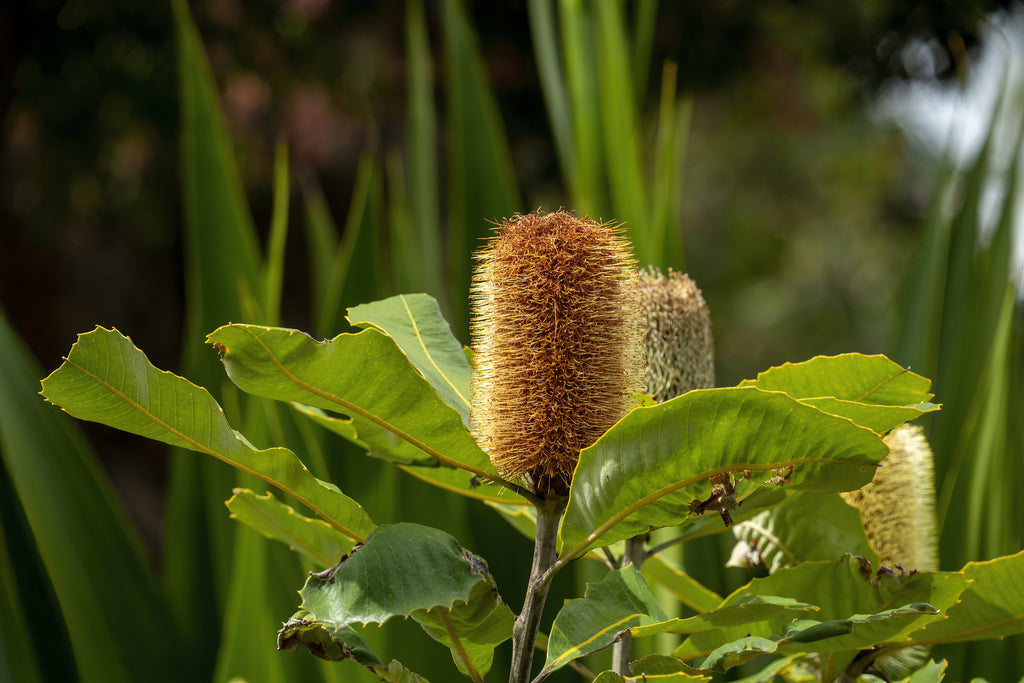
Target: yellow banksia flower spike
[
  {"x": 678, "y": 339},
  {"x": 897, "y": 508},
  {"x": 558, "y": 338}
]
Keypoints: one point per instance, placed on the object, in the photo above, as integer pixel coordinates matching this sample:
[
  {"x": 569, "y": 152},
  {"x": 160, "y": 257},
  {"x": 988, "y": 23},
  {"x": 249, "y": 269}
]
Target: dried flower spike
[
  {"x": 680, "y": 348},
  {"x": 557, "y": 332},
  {"x": 897, "y": 508}
]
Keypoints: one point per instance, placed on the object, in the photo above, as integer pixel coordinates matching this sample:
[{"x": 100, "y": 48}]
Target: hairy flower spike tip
[
  {"x": 897, "y": 508},
  {"x": 680, "y": 348},
  {"x": 558, "y": 336}
]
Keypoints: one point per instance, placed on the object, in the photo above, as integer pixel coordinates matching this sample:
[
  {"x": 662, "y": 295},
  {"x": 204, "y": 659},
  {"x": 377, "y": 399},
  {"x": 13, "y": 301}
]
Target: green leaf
[
  {"x": 106, "y": 379},
  {"x": 92, "y": 555},
  {"x": 315, "y": 539},
  {"x": 334, "y": 645},
  {"x": 364, "y": 376},
  {"x": 879, "y": 419},
  {"x": 400, "y": 569},
  {"x": 660, "y": 665},
  {"x": 648, "y": 468},
  {"x": 272, "y": 274},
  {"x": 840, "y": 588},
  {"x": 612, "y": 677},
  {"x": 875, "y": 380},
  {"x": 454, "y": 480},
  {"x": 807, "y": 635},
  {"x": 414, "y": 322},
  {"x": 805, "y": 527},
  {"x": 992, "y": 606},
  {"x": 471, "y": 629},
  {"x": 412, "y": 570},
  {"x": 740, "y": 613},
  {"x": 685, "y": 588},
  {"x": 610, "y": 607}
]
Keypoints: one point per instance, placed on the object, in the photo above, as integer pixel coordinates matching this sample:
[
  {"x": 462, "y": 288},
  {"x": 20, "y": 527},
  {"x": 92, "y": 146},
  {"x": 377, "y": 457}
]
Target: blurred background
[{"x": 811, "y": 165}]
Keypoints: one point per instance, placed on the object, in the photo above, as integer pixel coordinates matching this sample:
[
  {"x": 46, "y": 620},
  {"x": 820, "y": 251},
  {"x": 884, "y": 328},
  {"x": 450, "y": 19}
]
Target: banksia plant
[
  {"x": 678, "y": 341},
  {"x": 557, "y": 331},
  {"x": 897, "y": 508}
]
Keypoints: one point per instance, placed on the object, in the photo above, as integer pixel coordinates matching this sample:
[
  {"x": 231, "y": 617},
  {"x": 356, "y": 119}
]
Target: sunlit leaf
[
  {"x": 610, "y": 607},
  {"x": 364, "y": 376},
  {"x": 106, "y": 379},
  {"x": 313, "y": 538},
  {"x": 647, "y": 469},
  {"x": 415, "y": 323}
]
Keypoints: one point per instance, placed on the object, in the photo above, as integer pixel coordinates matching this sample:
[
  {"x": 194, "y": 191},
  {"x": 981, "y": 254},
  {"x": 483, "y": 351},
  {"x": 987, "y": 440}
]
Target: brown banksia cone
[
  {"x": 558, "y": 339},
  {"x": 679, "y": 345},
  {"x": 897, "y": 508}
]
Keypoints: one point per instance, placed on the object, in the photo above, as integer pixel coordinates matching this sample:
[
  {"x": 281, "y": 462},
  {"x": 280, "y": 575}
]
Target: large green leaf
[
  {"x": 678, "y": 677},
  {"x": 647, "y": 469},
  {"x": 414, "y": 322},
  {"x": 804, "y": 528},
  {"x": 685, "y": 588},
  {"x": 315, "y": 539},
  {"x": 412, "y": 570},
  {"x": 106, "y": 379},
  {"x": 875, "y": 380},
  {"x": 807, "y": 634},
  {"x": 617, "y": 603},
  {"x": 739, "y": 613},
  {"x": 841, "y": 588},
  {"x": 364, "y": 376},
  {"x": 91, "y": 554},
  {"x": 471, "y": 629},
  {"x": 992, "y": 606}
]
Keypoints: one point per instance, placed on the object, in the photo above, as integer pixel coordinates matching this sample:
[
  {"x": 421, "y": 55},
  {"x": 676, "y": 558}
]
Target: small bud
[
  {"x": 680, "y": 348},
  {"x": 557, "y": 331},
  {"x": 897, "y": 508}
]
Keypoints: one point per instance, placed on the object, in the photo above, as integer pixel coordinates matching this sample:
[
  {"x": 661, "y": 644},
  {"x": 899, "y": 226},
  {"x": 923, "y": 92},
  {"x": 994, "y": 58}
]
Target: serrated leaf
[
  {"x": 875, "y": 380},
  {"x": 106, "y": 379},
  {"x": 879, "y": 419},
  {"x": 647, "y": 469},
  {"x": 992, "y": 606},
  {"x": 454, "y": 480},
  {"x": 471, "y": 629},
  {"x": 840, "y": 588},
  {"x": 612, "y": 606},
  {"x": 743, "y": 612},
  {"x": 415, "y": 323},
  {"x": 334, "y": 645},
  {"x": 807, "y": 635},
  {"x": 400, "y": 569},
  {"x": 365, "y": 376},
  {"x": 313, "y": 538},
  {"x": 803, "y": 528}
]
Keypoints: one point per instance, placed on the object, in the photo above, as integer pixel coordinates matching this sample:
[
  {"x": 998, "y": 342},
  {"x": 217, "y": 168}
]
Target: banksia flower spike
[
  {"x": 557, "y": 331},
  {"x": 680, "y": 348},
  {"x": 897, "y": 508}
]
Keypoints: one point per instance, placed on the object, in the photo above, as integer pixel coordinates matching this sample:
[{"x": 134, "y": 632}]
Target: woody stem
[{"x": 524, "y": 634}]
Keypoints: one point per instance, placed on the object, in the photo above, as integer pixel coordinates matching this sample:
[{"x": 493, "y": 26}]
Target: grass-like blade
[
  {"x": 106, "y": 379},
  {"x": 91, "y": 554}
]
